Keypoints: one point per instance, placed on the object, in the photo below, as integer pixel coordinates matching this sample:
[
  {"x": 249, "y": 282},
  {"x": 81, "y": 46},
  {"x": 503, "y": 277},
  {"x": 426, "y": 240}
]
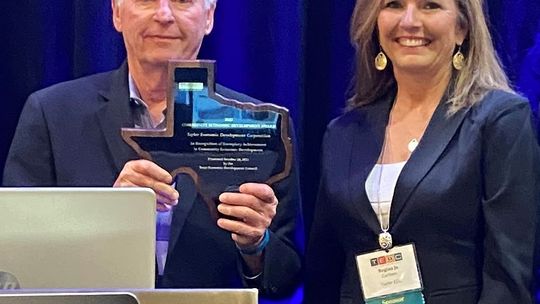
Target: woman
[{"x": 435, "y": 158}]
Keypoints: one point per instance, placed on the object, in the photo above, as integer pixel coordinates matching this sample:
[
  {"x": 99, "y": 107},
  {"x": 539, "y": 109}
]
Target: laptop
[
  {"x": 77, "y": 238},
  {"x": 139, "y": 296},
  {"x": 69, "y": 298}
]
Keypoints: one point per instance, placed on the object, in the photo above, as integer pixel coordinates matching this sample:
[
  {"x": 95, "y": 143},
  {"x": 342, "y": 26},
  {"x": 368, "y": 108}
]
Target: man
[{"x": 69, "y": 135}]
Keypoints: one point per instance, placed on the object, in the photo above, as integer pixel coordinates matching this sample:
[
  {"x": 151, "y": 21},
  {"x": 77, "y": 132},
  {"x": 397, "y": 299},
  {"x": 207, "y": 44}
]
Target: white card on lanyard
[{"x": 387, "y": 272}]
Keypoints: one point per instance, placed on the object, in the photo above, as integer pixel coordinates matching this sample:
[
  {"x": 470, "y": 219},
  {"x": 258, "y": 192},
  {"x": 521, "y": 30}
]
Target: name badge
[{"x": 390, "y": 277}]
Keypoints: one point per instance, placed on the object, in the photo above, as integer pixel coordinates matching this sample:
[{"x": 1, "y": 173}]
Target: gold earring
[
  {"x": 458, "y": 61},
  {"x": 381, "y": 61}
]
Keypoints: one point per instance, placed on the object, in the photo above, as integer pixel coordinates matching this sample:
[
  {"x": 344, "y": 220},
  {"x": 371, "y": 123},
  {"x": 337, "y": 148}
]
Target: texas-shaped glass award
[{"x": 219, "y": 142}]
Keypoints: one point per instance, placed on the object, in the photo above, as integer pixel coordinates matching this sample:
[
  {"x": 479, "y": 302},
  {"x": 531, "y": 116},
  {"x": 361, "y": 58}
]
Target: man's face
[{"x": 155, "y": 31}]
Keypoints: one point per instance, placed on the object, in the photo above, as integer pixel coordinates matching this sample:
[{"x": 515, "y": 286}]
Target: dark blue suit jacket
[
  {"x": 467, "y": 198},
  {"x": 69, "y": 135}
]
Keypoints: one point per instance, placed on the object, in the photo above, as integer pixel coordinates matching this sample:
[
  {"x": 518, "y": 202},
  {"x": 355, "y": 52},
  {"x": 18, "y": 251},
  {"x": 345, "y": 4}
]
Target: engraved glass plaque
[{"x": 219, "y": 142}]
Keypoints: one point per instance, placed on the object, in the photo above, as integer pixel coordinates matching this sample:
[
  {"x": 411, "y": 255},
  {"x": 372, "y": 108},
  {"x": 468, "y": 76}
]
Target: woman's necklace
[{"x": 413, "y": 143}]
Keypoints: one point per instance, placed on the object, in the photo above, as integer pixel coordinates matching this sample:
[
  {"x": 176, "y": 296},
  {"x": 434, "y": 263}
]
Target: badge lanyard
[{"x": 385, "y": 238}]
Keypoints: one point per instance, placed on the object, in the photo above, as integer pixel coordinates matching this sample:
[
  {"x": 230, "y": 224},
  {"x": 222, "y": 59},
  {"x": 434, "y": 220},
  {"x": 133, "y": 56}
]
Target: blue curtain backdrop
[{"x": 294, "y": 53}]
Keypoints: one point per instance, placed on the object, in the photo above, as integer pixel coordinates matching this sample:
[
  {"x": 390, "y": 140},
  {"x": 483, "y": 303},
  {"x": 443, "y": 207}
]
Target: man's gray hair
[{"x": 206, "y": 2}]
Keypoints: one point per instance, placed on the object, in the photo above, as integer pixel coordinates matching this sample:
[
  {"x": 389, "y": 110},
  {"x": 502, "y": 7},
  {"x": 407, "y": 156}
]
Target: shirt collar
[
  {"x": 134, "y": 92},
  {"x": 144, "y": 116}
]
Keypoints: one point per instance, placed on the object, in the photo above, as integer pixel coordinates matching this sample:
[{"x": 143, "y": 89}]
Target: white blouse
[{"x": 380, "y": 185}]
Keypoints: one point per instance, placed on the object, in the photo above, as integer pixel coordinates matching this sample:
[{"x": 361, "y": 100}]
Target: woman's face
[{"x": 419, "y": 35}]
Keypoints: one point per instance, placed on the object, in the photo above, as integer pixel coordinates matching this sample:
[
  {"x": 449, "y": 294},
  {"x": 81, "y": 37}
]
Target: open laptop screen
[{"x": 77, "y": 238}]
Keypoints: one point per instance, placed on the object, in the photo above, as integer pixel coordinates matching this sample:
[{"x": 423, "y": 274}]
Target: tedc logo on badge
[
  {"x": 8, "y": 281},
  {"x": 386, "y": 259}
]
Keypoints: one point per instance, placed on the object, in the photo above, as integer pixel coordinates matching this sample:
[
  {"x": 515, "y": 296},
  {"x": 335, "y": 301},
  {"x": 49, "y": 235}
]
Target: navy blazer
[
  {"x": 467, "y": 198},
  {"x": 69, "y": 135}
]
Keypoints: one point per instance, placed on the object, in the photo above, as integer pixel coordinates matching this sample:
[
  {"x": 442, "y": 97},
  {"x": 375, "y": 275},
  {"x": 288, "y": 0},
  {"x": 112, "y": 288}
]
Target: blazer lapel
[
  {"x": 438, "y": 134},
  {"x": 366, "y": 147},
  {"x": 116, "y": 114}
]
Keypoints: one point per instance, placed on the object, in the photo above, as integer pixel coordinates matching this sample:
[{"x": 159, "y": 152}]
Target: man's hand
[
  {"x": 144, "y": 173},
  {"x": 254, "y": 208}
]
